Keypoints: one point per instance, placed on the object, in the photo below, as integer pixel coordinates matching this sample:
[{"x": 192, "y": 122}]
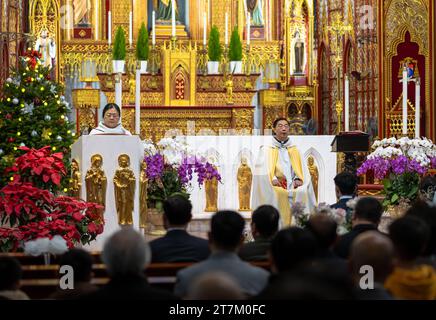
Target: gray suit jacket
[{"x": 251, "y": 279}]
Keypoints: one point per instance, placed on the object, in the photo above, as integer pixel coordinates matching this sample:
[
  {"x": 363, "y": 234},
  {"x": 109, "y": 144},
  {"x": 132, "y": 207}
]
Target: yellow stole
[{"x": 282, "y": 194}]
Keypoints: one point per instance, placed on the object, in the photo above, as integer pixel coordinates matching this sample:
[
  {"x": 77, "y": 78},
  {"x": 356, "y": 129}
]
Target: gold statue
[
  {"x": 143, "y": 184},
  {"x": 313, "y": 170},
  {"x": 124, "y": 186},
  {"x": 96, "y": 181},
  {"x": 76, "y": 180},
  {"x": 132, "y": 87},
  {"x": 245, "y": 178},
  {"x": 211, "y": 188}
]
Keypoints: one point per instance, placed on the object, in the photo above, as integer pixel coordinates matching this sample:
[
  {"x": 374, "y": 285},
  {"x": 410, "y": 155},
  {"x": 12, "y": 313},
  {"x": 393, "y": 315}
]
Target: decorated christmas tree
[{"x": 33, "y": 113}]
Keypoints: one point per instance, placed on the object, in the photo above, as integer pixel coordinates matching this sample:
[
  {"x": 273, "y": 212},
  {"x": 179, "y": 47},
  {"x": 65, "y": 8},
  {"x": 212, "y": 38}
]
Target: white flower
[
  {"x": 57, "y": 245},
  {"x": 36, "y": 247},
  {"x": 9, "y": 80}
]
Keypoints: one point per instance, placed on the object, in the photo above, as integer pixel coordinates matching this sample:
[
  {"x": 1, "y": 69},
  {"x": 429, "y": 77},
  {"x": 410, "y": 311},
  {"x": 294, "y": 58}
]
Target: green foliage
[
  {"x": 235, "y": 48},
  {"x": 214, "y": 47},
  {"x": 33, "y": 113},
  {"x": 142, "y": 44},
  {"x": 398, "y": 187},
  {"x": 119, "y": 51}
]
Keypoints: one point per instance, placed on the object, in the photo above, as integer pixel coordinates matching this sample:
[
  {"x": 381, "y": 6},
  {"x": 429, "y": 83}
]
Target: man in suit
[
  {"x": 177, "y": 245},
  {"x": 225, "y": 238},
  {"x": 264, "y": 225},
  {"x": 126, "y": 254},
  {"x": 366, "y": 217},
  {"x": 346, "y": 188}
]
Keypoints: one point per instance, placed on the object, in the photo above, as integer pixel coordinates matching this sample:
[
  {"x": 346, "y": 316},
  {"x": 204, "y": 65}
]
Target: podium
[
  {"x": 350, "y": 143},
  {"x": 109, "y": 147}
]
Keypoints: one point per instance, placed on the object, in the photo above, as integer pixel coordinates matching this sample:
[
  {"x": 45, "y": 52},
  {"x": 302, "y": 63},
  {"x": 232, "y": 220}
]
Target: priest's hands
[
  {"x": 297, "y": 183},
  {"x": 276, "y": 183}
]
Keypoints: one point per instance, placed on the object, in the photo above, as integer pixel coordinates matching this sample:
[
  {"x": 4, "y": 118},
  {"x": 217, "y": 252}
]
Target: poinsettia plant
[{"x": 28, "y": 212}]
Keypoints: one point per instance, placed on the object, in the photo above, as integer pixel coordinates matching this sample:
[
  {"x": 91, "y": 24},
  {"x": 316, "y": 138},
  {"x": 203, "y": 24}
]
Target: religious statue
[
  {"x": 255, "y": 7},
  {"x": 76, "y": 179},
  {"x": 245, "y": 177},
  {"x": 124, "y": 187},
  {"x": 299, "y": 55},
  {"x": 165, "y": 8},
  {"x": 143, "y": 185},
  {"x": 132, "y": 87},
  {"x": 82, "y": 9},
  {"x": 96, "y": 181},
  {"x": 211, "y": 187},
  {"x": 47, "y": 47},
  {"x": 229, "y": 88},
  {"x": 313, "y": 171}
]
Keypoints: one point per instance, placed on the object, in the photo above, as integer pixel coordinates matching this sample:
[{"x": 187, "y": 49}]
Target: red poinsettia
[{"x": 32, "y": 58}]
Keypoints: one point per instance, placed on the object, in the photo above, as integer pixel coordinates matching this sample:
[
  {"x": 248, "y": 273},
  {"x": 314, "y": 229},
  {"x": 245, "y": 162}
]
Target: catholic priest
[{"x": 281, "y": 177}]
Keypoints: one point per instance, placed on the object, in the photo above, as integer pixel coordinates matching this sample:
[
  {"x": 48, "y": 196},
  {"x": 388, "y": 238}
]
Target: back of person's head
[
  {"x": 346, "y": 182},
  {"x": 10, "y": 273},
  {"x": 373, "y": 249},
  {"x": 324, "y": 228},
  {"x": 409, "y": 235},
  {"x": 226, "y": 230},
  {"x": 292, "y": 246},
  {"x": 368, "y": 209},
  {"x": 81, "y": 262},
  {"x": 177, "y": 210},
  {"x": 266, "y": 220},
  {"x": 126, "y": 253},
  {"x": 427, "y": 188},
  {"x": 427, "y": 213},
  {"x": 215, "y": 286}
]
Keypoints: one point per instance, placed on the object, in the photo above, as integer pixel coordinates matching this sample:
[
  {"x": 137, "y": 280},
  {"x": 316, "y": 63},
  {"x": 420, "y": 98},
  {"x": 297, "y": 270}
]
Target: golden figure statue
[
  {"x": 143, "y": 184},
  {"x": 245, "y": 178},
  {"x": 124, "y": 187},
  {"x": 229, "y": 89},
  {"x": 211, "y": 189},
  {"x": 96, "y": 181},
  {"x": 313, "y": 170},
  {"x": 76, "y": 180}
]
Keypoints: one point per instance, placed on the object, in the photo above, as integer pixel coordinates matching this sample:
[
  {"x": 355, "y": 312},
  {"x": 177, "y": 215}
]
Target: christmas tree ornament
[
  {"x": 59, "y": 138},
  {"x": 15, "y": 101},
  {"x": 10, "y": 139},
  {"x": 1, "y": 152},
  {"x": 34, "y": 133},
  {"x": 9, "y": 80},
  {"x": 46, "y": 133},
  {"x": 47, "y": 117}
]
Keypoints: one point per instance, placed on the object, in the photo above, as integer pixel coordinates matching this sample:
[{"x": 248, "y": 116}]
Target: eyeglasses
[{"x": 111, "y": 115}]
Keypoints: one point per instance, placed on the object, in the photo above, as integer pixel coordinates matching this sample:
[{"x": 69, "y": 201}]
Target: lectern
[{"x": 350, "y": 143}]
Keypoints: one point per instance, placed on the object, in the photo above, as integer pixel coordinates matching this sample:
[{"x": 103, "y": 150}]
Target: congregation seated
[
  {"x": 410, "y": 279},
  {"x": 427, "y": 213},
  {"x": 346, "y": 189},
  {"x": 366, "y": 217},
  {"x": 264, "y": 225},
  {"x": 178, "y": 245},
  {"x": 81, "y": 262},
  {"x": 225, "y": 238},
  {"x": 125, "y": 254},
  {"x": 324, "y": 228},
  {"x": 215, "y": 286},
  {"x": 376, "y": 250},
  {"x": 10, "y": 276}
]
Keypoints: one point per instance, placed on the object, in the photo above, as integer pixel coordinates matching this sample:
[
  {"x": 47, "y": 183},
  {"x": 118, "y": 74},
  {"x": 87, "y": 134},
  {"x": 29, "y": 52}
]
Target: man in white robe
[{"x": 281, "y": 177}]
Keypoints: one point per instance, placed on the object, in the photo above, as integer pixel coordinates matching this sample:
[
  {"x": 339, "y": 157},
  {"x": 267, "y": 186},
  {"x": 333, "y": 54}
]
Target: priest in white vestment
[
  {"x": 281, "y": 177},
  {"x": 111, "y": 123}
]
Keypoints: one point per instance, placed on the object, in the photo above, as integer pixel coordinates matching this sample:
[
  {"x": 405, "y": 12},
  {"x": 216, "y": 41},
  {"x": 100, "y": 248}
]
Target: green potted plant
[
  {"x": 142, "y": 48},
  {"x": 214, "y": 51},
  {"x": 235, "y": 52},
  {"x": 119, "y": 51}
]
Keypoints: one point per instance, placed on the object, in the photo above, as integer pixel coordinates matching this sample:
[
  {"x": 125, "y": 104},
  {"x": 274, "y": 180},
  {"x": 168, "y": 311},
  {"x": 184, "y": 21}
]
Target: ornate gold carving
[
  {"x": 76, "y": 180},
  {"x": 314, "y": 174},
  {"x": 128, "y": 119},
  {"x": 243, "y": 118},
  {"x": 143, "y": 185},
  {"x": 124, "y": 188},
  {"x": 87, "y": 102},
  {"x": 244, "y": 178},
  {"x": 273, "y": 103},
  {"x": 96, "y": 181}
]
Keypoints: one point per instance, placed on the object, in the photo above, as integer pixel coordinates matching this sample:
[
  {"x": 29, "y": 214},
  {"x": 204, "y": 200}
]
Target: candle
[
  {"x": 173, "y": 19},
  {"x": 248, "y": 28},
  {"x": 204, "y": 28},
  {"x": 154, "y": 28},
  {"x": 347, "y": 103},
  {"x": 404, "y": 100},
  {"x": 96, "y": 20},
  {"x": 226, "y": 39},
  {"x": 130, "y": 28},
  {"x": 417, "y": 107},
  {"x": 109, "y": 28}
]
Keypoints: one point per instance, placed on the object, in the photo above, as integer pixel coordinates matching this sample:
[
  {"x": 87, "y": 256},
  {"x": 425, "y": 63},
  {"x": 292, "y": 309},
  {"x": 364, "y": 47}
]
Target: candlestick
[
  {"x": 173, "y": 19},
  {"x": 96, "y": 21},
  {"x": 417, "y": 108},
  {"x": 226, "y": 30},
  {"x": 130, "y": 28},
  {"x": 248, "y": 28},
  {"x": 347, "y": 103},
  {"x": 204, "y": 28},
  {"x": 109, "y": 27},
  {"x": 405, "y": 100},
  {"x": 153, "y": 42}
]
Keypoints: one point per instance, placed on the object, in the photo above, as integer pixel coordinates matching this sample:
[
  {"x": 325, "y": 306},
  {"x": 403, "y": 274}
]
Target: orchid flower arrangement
[
  {"x": 400, "y": 163},
  {"x": 170, "y": 169}
]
